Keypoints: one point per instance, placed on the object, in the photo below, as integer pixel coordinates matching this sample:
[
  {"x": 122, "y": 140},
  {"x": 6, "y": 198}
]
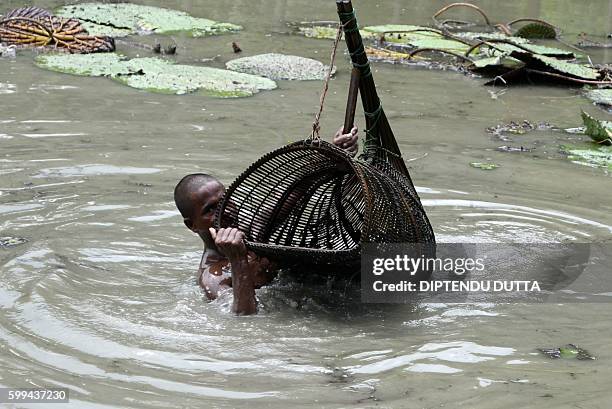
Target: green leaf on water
[
  {"x": 599, "y": 131},
  {"x": 549, "y": 64},
  {"x": 101, "y": 30},
  {"x": 116, "y": 19},
  {"x": 415, "y": 37},
  {"x": 499, "y": 62},
  {"x": 394, "y": 28},
  {"x": 505, "y": 48},
  {"x": 468, "y": 35},
  {"x": 158, "y": 75},
  {"x": 320, "y": 32},
  {"x": 536, "y": 30},
  {"x": 484, "y": 165},
  {"x": 591, "y": 155},
  {"x": 280, "y": 67}
]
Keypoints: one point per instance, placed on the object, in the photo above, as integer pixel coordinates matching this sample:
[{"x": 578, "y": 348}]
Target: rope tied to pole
[{"x": 316, "y": 127}]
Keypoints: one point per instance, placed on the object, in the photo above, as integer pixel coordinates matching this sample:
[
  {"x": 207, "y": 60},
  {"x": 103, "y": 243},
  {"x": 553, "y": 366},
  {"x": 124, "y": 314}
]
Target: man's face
[{"x": 205, "y": 201}]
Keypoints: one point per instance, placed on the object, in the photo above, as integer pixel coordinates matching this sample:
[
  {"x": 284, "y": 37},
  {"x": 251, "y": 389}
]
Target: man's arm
[
  {"x": 230, "y": 242},
  {"x": 212, "y": 278}
]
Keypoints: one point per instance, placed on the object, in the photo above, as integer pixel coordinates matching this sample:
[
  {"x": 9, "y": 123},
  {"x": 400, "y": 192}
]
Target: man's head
[{"x": 196, "y": 197}]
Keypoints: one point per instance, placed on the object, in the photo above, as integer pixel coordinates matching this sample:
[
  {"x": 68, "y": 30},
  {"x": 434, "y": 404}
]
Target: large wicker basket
[{"x": 312, "y": 203}]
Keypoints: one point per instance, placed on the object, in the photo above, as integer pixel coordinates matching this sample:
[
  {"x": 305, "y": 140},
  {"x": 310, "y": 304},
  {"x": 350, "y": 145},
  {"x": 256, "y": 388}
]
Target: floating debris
[
  {"x": 9, "y": 51},
  {"x": 158, "y": 75},
  {"x": 514, "y": 149},
  {"x": 123, "y": 19},
  {"x": 599, "y": 131},
  {"x": 569, "y": 351},
  {"x": 518, "y": 128},
  {"x": 280, "y": 67},
  {"x": 586, "y": 42},
  {"x": 602, "y": 97},
  {"x": 8, "y": 241},
  {"x": 484, "y": 165}
]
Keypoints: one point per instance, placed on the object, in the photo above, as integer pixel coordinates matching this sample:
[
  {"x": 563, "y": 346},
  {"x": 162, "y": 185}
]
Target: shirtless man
[{"x": 226, "y": 262}]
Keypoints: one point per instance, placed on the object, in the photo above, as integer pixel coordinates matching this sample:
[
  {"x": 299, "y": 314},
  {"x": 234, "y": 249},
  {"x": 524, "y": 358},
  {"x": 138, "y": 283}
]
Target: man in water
[{"x": 226, "y": 263}]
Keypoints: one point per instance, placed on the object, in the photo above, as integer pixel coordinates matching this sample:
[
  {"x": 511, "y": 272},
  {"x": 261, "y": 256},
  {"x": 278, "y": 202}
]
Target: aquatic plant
[
  {"x": 158, "y": 75},
  {"x": 280, "y": 67},
  {"x": 121, "y": 19},
  {"x": 599, "y": 131}
]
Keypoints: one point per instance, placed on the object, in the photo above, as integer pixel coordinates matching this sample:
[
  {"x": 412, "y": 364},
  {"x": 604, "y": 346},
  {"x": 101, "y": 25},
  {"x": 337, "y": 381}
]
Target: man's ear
[{"x": 189, "y": 223}]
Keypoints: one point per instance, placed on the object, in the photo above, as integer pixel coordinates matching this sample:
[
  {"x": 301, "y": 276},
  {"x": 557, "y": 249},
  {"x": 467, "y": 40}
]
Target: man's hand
[
  {"x": 230, "y": 242},
  {"x": 347, "y": 141}
]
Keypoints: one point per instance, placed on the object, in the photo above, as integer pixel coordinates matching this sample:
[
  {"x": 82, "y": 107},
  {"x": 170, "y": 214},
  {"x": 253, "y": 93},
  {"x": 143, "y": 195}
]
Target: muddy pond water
[{"x": 102, "y": 298}]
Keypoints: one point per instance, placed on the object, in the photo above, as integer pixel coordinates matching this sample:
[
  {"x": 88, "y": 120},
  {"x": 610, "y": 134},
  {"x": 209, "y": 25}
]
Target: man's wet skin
[
  {"x": 205, "y": 200},
  {"x": 226, "y": 263}
]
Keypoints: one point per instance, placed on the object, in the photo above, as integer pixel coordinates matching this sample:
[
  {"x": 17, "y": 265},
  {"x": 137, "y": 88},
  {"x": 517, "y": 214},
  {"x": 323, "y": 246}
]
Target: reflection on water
[{"x": 102, "y": 297}]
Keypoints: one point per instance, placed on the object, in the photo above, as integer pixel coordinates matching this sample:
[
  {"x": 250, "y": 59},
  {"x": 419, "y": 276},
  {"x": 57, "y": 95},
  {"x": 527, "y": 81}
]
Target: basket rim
[{"x": 324, "y": 147}]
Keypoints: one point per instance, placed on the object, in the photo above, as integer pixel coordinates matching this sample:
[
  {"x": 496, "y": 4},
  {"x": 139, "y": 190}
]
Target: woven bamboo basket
[{"x": 312, "y": 203}]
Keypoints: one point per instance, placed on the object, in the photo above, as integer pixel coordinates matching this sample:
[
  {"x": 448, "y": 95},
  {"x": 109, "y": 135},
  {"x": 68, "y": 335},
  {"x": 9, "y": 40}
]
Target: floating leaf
[
  {"x": 601, "y": 97},
  {"x": 158, "y": 75},
  {"x": 382, "y": 54},
  {"x": 599, "y": 131},
  {"x": 569, "y": 351},
  {"x": 484, "y": 165},
  {"x": 280, "y": 67},
  {"x": 9, "y": 241},
  {"x": 549, "y": 64},
  {"x": 505, "y": 48},
  {"x": 537, "y": 30},
  {"x": 395, "y": 28},
  {"x": 321, "y": 32},
  {"x": 134, "y": 19},
  {"x": 490, "y": 36},
  {"x": 101, "y": 30},
  {"x": 415, "y": 37},
  {"x": 495, "y": 65},
  {"x": 594, "y": 156}
]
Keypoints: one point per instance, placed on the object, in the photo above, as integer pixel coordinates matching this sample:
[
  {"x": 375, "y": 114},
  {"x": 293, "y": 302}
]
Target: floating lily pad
[
  {"x": 495, "y": 65},
  {"x": 537, "y": 30},
  {"x": 506, "y": 49},
  {"x": 594, "y": 156},
  {"x": 102, "y": 30},
  {"x": 8, "y": 241},
  {"x": 314, "y": 31},
  {"x": 394, "y": 28},
  {"x": 599, "y": 131},
  {"x": 549, "y": 64},
  {"x": 382, "y": 54},
  {"x": 115, "y": 19},
  {"x": 468, "y": 35},
  {"x": 569, "y": 351},
  {"x": 415, "y": 37},
  {"x": 280, "y": 67},
  {"x": 158, "y": 75},
  {"x": 484, "y": 165},
  {"x": 601, "y": 97}
]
